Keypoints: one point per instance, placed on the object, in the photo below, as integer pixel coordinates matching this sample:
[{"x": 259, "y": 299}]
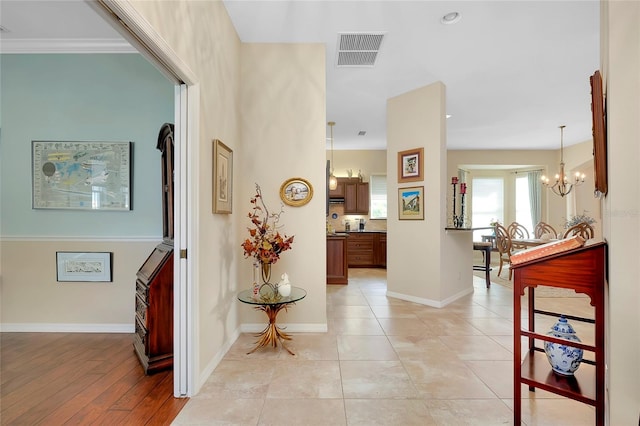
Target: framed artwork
[
  {"x": 81, "y": 266},
  {"x": 81, "y": 175},
  {"x": 411, "y": 203},
  {"x": 296, "y": 192},
  {"x": 222, "y": 177},
  {"x": 411, "y": 165}
]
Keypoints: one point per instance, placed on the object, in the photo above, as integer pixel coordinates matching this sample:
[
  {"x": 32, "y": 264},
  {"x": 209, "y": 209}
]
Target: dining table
[{"x": 530, "y": 242}]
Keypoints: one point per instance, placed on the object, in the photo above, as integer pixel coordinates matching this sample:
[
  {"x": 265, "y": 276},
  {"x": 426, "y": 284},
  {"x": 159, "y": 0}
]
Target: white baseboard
[
  {"x": 430, "y": 302},
  {"x": 30, "y": 327}
]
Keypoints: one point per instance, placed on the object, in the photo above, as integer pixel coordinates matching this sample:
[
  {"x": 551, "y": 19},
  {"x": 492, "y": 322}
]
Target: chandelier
[
  {"x": 333, "y": 181},
  {"x": 562, "y": 186}
]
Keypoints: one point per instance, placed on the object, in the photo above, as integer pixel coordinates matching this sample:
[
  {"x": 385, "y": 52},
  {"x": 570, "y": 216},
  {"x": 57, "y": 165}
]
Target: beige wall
[
  {"x": 267, "y": 103},
  {"x": 203, "y": 37},
  {"x": 283, "y": 136},
  {"x": 368, "y": 161},
  {"x": 621, "y": 66},
  {"x": 39, "y": 303},
  {"x": 421, "y": 255}
]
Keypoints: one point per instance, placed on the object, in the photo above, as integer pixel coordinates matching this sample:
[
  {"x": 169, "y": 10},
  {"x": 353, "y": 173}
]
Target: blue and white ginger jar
[{"x": 564, "y": 359}]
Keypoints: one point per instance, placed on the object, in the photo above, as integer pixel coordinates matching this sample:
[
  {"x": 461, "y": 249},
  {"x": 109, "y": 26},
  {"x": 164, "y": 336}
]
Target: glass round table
[{"x": 271, "y": 302}]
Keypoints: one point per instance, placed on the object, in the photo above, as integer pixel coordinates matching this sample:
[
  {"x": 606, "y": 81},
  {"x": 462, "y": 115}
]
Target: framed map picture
[{"x": 81, "y": 175}]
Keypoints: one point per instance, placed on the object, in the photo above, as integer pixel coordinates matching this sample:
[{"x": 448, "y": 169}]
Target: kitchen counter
[{"x": 346, "y": 234}]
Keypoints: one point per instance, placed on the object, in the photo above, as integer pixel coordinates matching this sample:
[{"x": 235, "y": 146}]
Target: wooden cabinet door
[
  {"x": 337, "y": 271},
  {"x": 356, "y": 198},
  {"x": 337, "y": 193},
  {"x": 351, "y": 198},
  {"x": 362, "y": 202},
  {"x": 381, "y": 251}
]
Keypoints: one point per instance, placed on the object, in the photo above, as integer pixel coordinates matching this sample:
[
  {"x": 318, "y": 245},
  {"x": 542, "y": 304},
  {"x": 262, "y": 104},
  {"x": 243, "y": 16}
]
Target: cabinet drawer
[
  {"x": 360, "y": 258},
  {"x": 141, "y": 332},
  {"x": 141, "y": 309},
  {"x": 360, "y": 242},
  {"x": 142, "y": 290}
]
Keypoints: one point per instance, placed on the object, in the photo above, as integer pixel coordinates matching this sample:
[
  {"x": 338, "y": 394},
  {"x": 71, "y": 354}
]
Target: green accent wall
[{"x": 81, "y": 97}]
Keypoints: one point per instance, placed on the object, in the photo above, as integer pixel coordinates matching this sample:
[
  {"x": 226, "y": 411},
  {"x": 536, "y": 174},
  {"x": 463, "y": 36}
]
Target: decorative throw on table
[{"x": 265, "y": 243}]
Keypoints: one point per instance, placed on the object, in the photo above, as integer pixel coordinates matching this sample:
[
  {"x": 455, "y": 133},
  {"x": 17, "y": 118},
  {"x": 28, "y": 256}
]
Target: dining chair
[
  {"x": 543, "y": 228},
  {"x": 583, "y": 229},
  {"x": 517, "y": 231},
  {"x": 504, "y": 245}
]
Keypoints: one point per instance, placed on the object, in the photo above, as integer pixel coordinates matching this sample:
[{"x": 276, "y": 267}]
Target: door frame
[{"x": 125, "y": 19}]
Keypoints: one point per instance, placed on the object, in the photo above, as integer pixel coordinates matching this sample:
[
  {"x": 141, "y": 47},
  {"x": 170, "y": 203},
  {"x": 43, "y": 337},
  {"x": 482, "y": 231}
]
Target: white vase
[
  {"x": 284, "y": 290},
  {"x": 564, "y": 359}
]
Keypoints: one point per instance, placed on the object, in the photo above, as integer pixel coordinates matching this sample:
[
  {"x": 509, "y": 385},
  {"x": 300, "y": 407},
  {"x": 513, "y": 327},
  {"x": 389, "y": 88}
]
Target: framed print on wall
[
  {"x": 411, "y": 165},
  {"x": 411, "y": 203},
  {"x": 81, "y": 175},
  {"x": 296, "y": 192},
  {"x": 81, "y": 266},
  {"x": 222, "y": 177}
]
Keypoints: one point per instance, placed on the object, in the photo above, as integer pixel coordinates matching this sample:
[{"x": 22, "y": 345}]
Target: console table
[
  {"x": 271, "y": 303},
  {"x": 582, "y": 270}
]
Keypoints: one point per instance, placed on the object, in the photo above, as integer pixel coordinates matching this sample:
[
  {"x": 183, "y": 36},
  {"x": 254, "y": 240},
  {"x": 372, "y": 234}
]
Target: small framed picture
[
  {"x": 83, "y": 266},
  {"x": 222, "y": 177},
  {"x": 411, "y": 203},
  {"x": 296, "y": 192},
  {"x": 411, "y": 165}
]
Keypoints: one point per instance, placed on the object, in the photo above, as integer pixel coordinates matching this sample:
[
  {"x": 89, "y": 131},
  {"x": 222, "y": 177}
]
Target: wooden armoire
[{"x": 153, "y": 340}]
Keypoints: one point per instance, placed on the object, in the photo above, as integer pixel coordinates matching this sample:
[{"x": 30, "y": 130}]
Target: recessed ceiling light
[
  {"x": 4, "y": 29},
  {"x": 451, "y": 18},
  {"x": 448, "y": 116}
]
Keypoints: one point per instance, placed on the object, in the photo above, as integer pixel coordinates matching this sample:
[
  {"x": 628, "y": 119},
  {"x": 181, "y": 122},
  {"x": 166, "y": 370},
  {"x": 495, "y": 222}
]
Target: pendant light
[
  {"x": 333, "y": 181},
  {"x": 562, "y": 186}
]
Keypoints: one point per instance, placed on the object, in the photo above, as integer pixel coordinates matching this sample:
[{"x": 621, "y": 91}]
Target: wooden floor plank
[
  {"x": 85, "y": 401},
  {"x": 148, "y": 407},
  {"x": 79, "y": 378}
]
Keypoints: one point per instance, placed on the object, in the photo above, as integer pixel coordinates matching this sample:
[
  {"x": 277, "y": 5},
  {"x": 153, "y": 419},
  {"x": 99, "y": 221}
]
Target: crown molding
[{"x": 65, "y": 46}]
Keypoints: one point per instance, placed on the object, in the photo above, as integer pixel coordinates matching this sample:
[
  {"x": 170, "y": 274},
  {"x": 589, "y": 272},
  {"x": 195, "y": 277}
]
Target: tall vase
[{"x": 266, "y": 272}]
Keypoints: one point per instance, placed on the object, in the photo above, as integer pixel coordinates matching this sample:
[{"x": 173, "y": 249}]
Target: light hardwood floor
[{"x": 80, "y": 378}]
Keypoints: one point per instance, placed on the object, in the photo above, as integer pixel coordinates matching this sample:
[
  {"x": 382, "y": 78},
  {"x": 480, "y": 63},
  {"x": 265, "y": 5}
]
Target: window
[
  {"x": 378, "y": 198},
  {"x": 523, "y": 205},
  {"x": 488, "y": 203}
]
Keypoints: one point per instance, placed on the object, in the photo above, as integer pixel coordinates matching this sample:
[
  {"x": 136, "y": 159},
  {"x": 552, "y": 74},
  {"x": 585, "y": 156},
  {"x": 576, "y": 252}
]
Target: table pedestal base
[{"x": 272, "y": 334}]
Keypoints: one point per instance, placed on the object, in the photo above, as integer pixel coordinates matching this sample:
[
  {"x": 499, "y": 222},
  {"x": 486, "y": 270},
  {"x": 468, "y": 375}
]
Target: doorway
[{"x": 126, "y": 20}]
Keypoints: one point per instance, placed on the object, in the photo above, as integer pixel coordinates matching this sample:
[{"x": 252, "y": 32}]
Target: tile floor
[{"x": 386, "y": 361}]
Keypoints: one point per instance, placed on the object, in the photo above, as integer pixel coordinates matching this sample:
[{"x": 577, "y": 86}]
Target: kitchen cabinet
[
  {"x": 356, "y": 197},
  {"x": 380, "y": 251},
  {"x": 367, "y": 250},
  {"x": 337, "y": 268},
  {"x": 360, "y": 249},
  {"x": 338, "y": 193}
]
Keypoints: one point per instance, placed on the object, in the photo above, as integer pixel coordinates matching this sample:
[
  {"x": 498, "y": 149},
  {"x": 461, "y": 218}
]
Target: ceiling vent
[{"x": 358, "y": 49}]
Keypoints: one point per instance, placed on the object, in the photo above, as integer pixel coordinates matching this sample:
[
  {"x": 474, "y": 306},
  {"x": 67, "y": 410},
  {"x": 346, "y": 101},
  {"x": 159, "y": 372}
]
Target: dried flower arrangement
[{"x": 265, "y": 243}]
